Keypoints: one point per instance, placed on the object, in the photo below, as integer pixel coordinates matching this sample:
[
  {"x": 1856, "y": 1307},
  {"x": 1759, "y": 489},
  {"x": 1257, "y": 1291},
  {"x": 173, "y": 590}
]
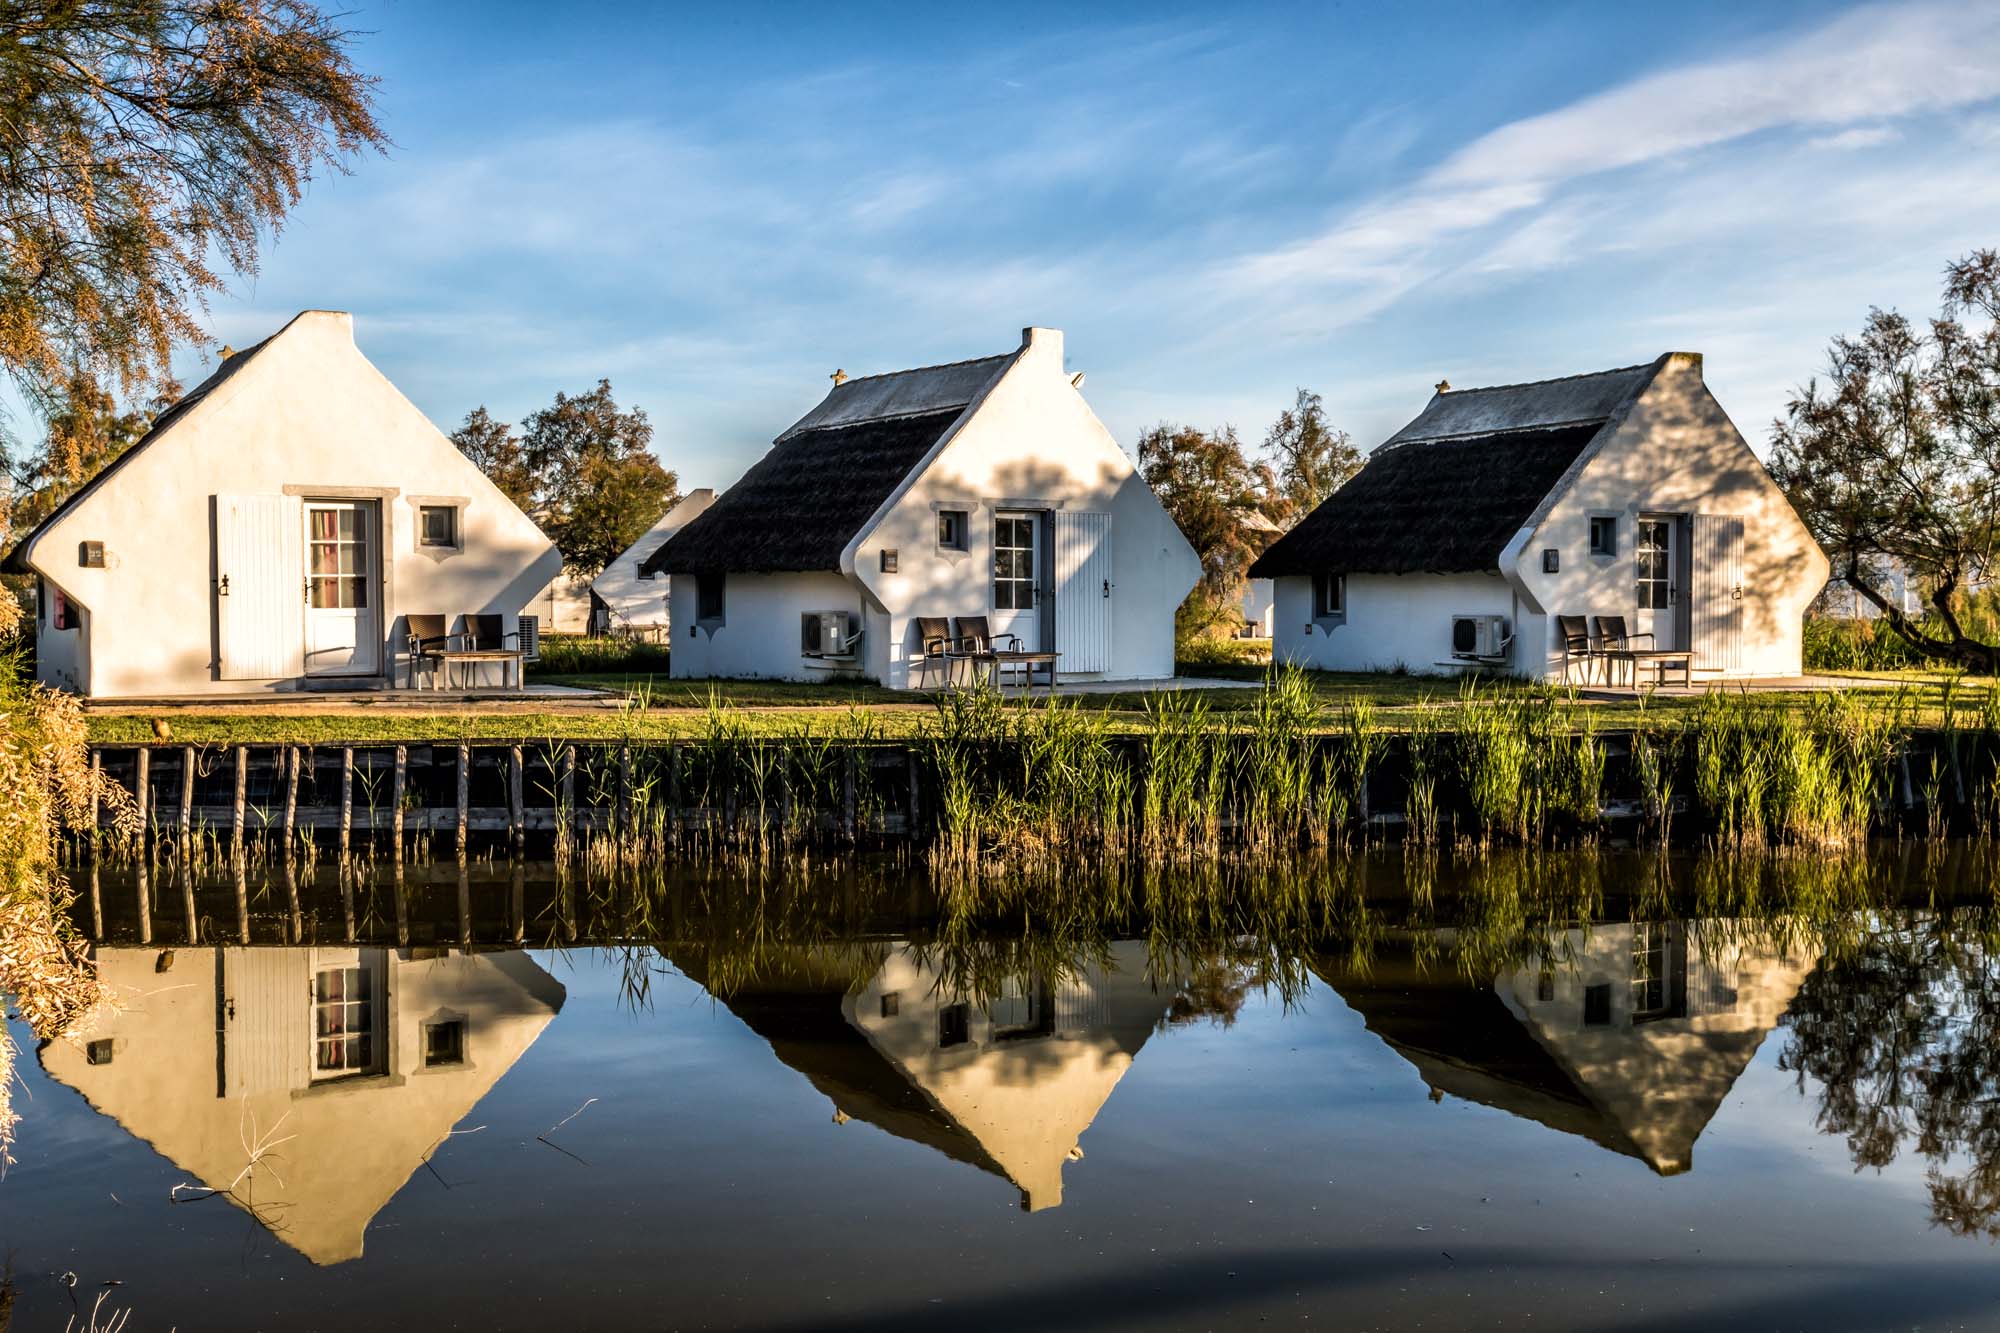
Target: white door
[
  {"x": 1656, "y": 556},
  {"x": 1717, "y": 603},
  {"x": 343, "y": 618},
  {"x": 1016, "y": 566},
  {"x": 1083, "y": 591},
  {"x": 257, "y": 587}
]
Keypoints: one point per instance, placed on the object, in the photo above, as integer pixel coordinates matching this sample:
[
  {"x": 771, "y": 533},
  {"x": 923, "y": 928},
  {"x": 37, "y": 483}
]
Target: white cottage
[
  {"x": 270, "y": 533},
  {"x": 982, "y": 488},
  {"x": 628, "y": 598},
  {"x": 1626, "y": 493}
]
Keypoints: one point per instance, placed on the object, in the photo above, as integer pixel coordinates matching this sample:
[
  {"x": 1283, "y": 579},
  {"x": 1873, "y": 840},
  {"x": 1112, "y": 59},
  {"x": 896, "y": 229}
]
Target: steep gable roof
[
  {"x": 16, "y": 561},
  {"x": 824, "y": 478},
  {"x": 1447, "y": 492}
]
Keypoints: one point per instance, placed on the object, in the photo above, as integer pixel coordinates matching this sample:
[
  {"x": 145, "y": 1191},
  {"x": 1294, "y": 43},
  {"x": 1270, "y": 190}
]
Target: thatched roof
[
  {"x": 16, "y": 559},
  {"x": 1569, "y": 401},
  {"x": 797, "y": 509},
  {"x": 803, "y": 501},
  {"x": 1434, "y": 507}
]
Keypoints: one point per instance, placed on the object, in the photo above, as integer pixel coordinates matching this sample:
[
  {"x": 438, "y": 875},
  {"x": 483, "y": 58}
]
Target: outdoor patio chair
[
  {"x": 429, "y": 636},
  {"x": 1575, "y": 634},
  {"x": 1615, "y": 644},
  {"x": 938, "y": 648},
  {"x": 979, "y": 644},
  {"x": 487, "y": 632}
]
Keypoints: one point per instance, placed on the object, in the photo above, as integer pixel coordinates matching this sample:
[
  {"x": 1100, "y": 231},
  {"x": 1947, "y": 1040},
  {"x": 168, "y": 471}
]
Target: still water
[{"x": 1540, "y": 1093}]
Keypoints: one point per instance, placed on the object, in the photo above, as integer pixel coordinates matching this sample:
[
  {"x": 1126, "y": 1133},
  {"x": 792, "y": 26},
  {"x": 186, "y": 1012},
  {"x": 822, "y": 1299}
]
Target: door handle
[
  {"x": 1107, "y": 587},
  {"x": 222, "y": 589}
]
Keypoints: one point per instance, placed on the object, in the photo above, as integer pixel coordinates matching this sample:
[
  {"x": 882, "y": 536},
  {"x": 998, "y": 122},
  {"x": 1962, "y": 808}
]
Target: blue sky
[{"x": 715, "y": 206}]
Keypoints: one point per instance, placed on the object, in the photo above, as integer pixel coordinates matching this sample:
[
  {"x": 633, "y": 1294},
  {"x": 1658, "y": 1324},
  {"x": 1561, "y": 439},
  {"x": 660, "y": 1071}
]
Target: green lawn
[{"x": 657, "y": 709}]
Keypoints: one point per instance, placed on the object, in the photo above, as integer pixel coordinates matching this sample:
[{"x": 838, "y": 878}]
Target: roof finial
[
  {"x": 839, "y": 377},
  {"x": 1444, "y": 386}
]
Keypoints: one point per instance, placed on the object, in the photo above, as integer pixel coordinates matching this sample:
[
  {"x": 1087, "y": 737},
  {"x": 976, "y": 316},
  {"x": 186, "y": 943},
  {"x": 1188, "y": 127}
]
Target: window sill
[{"x": 1328, "y": 624}]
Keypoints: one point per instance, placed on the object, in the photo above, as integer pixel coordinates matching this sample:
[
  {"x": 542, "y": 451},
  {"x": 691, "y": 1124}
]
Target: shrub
[{"x": 575, "y": 655}]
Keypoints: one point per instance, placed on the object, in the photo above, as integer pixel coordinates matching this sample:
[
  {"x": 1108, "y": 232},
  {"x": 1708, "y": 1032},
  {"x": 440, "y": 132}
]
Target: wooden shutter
[
  {"x": 1083, "y": 591},
  {"x": 259, "y": 587},
  {"x": 1717, "y": 612}
]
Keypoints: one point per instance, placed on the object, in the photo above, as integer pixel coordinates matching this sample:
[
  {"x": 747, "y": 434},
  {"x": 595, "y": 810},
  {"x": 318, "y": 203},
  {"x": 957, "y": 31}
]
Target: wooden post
[
  {"x": 517, "y": 832},
  {"x": 242, "y": 875},
  {"x": 517, "y": 901},
  {"x": 674, "y": 812},
  {"x": 464, "y": 907},
  {"x": 242, "y": 793},
  {"x": 293, "y": 758},
  {"x": 397, "y": 789},
  {"x": 96, "y": 794},
  {"x": 292, "y": 901},
  {"x": 912, "y": 815},
  {"x": 346, "y": 873},
  {"x": 400, "y": 890},
  {"x": 464, "y": 795},
  {"x": 346, "y": 799},
  {"x": 850, "y": 783},
  {"x": 145, "y": 906},
  {"x": 784, "y": 791},
  {"x": 624, "y": 815},
  {"x": 187, "y": 795},
  {"x": 192, "y": 922},
  {"x": 566, "y": 790},
  {"x": 96, "y": 904},
  {"x": 142, "y": 793}
]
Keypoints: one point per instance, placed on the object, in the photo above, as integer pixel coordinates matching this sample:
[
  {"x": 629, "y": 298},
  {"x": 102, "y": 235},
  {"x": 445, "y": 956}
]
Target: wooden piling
[
  {"x": 913, "y": 813},
  {"x": 398, "y": 787},
  {"x": 347, "y": 897},
  {"x": 566, "y": 791},
  {"x": 464, "y": 907},
  {"x": 190, "y": 920},
  {"x": 623, "y": 826},
  {"x": 96, "y": 798},
  {"x": 242, "y": 794},
  {"x": 142, "y": 793},
  {"x": 96, "y": 904},
  {"x": 674, "y": 811},
  {"x": 297, "y": 911},
  {"x": 346, "y": 799},
  {"x": 293, "y": 757},
  {"x": 185, "y": 827},
  {"x": 517, "y": 832},
  {"x": 400, "y": 891},
  {"x": 145, "y": 904},
  {"x": 850, "y": 790},
  {"x": 464, "y": 796},
  {"x": 517, "y": 901},
  {"x": 242, "y": 876}
]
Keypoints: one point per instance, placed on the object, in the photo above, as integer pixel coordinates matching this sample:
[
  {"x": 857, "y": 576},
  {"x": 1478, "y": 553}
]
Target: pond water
[{"x": 1533, "y": 1093}]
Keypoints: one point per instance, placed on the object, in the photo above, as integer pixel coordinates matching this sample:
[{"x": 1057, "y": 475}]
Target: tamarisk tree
[{"x": 1894, "y": 459}]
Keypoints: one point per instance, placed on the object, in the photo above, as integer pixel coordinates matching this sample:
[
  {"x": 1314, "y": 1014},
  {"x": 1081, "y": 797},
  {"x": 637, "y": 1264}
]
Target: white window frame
[
  {"x": 961, "y": 519},
  {"x": 1609, "y": 550}
]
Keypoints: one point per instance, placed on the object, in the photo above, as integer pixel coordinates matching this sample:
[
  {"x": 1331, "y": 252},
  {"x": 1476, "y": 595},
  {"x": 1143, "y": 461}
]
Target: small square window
[
  {"x": 954, "y": 1025},
  {"x": 892, "y": 1004},
  {"x": 98, "y": 1052},
  {"x": 708, "y": 597},
  {"x": 1552, "y": 561},
  {"x": 1597, "y": 1006},
  {"x": 1330, "y": 596},
  {"x": 437, "y": 525},
  {"x": 1603, "y": 535},
  {"x": 444, "y": 1043},
  {"x": 953, "y": 525},
  {"x": 889, "y": 561}
]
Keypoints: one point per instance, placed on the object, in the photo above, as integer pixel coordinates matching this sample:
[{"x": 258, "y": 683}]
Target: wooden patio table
[
  {"x": 509, "y": 659},
  {"x": 1661, "y": 660},
  {"x": 1027, "y": 661}
]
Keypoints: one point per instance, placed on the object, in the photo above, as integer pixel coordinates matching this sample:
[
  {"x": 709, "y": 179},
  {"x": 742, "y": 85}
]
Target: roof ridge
[
  {"x": 1553, "y": 379},
  {"x": 951, "y": 409},
  {"x": 1572, "y": 423},
  {"x": 918, "y": 370}
]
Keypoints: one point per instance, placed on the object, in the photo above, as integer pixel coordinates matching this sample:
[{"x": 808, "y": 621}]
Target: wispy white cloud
[{"x": 1862, "y": 136}]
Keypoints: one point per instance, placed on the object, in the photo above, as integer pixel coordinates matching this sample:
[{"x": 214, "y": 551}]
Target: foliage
[
  {"x": 1223, "y": 504},
  {"x": 1895, "y": 460},
  {"x": 1310, "y": 459},
  {"x": 146, "y": 142},
  {"x": 1210, "y": 650},
  {"x": 582, "y": 468},
  {"x": 575, "y": 655}
]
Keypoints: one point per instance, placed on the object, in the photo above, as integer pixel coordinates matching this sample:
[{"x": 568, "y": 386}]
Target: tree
[
  {"x": 1896, "y": 458},
  {"x": 581, "y": 468},
  {"x": 141, "y": 143},
  {"x": 1222, "y": 504},
  {"x": 1310, "y": 459},
  {"x": 85, "y": 435}
]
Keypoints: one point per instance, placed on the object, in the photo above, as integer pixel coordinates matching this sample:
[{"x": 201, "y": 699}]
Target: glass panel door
[
  {"x": 1016, "y": 578},
  {"x": 343, "y": 624}
]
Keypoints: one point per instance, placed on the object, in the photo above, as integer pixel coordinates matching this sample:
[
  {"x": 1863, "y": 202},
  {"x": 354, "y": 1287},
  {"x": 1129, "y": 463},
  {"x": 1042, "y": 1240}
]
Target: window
[
  {"x": 343, "y": 1021},
  {"x": 889, "y": 560},
  {"x": 444, "y": 1043},
  {"x": 953, "y": 529},
  {"x": 708, "y": 597},
  {"x": 1659, "y": 971},
  {"x": 1022, "y": 1009},
  {"x": 1653, "y": 554},
  {"x": 1597, "y": 1006},
  {"x": 954, "y": 1025},
  {"x": 1603, "y": 534},
  {"x": 437, "y": 525},
  {"x": 1013, "y": 563},
  {"x": 337, "y": 556},
  {"x": 892, "y": 1004},
  {"x": 98, "y": 1052},
  {"x": 1329, "y": 596}
]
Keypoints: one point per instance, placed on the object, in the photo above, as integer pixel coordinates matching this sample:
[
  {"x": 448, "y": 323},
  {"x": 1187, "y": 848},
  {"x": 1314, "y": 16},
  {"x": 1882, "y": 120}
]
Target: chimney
[
  {"x": 839, "y": 377},
  {"x": 1044, "y": 343},
  {"x": 1444, "y": 386}
]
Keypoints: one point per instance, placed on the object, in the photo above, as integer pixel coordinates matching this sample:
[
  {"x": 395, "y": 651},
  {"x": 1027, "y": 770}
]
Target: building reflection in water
[
  {"x": 1007, "y": 1082},
  {"x": 305, "y": 1085},
  {"x": 1632, "y": 1040}
]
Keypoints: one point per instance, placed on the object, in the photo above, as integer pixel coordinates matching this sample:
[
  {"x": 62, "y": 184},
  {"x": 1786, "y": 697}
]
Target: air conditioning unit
[
  {"x": 1479, "y": 638},
  {"x": 829, "y": 634},
  {"x": 530, "y": 637}
]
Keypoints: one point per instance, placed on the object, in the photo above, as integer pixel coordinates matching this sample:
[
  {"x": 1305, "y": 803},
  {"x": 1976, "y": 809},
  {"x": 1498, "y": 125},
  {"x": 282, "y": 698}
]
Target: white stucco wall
[
  {"x": 1259, "y": 606},
  {"x": 642, "y": 602},
  {"x": 1031, "y": 444},
  {"x": 1393, "y": 620},
  {"x": 308, "y": 415},
  {"x": 759, "y": 634},
  {"x": 564, "y": 605},
  {"x": 1675, "y": 452}
]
